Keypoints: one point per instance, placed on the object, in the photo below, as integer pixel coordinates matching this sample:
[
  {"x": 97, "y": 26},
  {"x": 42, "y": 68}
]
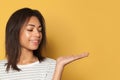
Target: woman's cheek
[{"x": 27, "y": 34}]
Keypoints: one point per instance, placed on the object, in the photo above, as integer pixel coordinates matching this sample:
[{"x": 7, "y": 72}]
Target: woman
[{"x": 25, "y": 38}]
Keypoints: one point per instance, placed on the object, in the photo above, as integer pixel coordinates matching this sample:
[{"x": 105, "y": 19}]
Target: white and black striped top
[{"x": 35, "y": 71}]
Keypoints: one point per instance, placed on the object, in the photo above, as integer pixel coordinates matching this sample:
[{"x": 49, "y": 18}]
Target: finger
[
  {"x": 80, "y": 56},
  {"x": 85, "y": 54}
]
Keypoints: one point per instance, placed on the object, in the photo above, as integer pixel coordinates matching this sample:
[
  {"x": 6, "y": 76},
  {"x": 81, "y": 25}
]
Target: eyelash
[{"x": 32, "y": 30}]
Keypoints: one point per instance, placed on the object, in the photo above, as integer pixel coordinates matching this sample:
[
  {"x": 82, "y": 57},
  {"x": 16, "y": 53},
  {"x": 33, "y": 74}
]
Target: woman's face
[{"x": 30, "y": 34}]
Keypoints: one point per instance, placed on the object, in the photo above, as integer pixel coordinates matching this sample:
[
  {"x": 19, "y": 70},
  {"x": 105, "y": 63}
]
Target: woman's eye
[{"x": 30, "y": 30}]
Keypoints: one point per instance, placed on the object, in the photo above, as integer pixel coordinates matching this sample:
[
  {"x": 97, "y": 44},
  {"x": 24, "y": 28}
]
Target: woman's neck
[{"x": 27, "y": 57}]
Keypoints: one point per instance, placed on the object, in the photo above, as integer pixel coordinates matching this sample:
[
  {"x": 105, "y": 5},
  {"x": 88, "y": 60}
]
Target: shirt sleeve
[{"x": 51, "y": 70}]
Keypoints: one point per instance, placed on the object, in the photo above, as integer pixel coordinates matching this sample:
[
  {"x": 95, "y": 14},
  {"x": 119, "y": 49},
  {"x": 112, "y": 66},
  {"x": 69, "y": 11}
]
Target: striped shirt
[{"x": 35, "y": 71}]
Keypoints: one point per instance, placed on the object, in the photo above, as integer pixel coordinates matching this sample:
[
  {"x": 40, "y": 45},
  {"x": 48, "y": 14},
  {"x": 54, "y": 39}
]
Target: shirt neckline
[{"x": 28, "y": 65}]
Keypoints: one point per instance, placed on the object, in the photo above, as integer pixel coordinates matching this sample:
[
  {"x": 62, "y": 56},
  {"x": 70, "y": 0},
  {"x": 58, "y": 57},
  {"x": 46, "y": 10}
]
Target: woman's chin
[{"x": 33, "y": 48}]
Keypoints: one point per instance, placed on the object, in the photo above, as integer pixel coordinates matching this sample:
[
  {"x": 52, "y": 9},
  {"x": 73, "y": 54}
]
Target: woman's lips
[{"x": 35, "y": 42}]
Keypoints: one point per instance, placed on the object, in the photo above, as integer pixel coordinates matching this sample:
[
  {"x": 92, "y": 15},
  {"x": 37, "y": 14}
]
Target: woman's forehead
[{"x": 32, "y": 21}]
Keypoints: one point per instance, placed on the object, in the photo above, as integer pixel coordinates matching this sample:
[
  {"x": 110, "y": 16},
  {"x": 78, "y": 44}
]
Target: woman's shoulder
[
  {"x": 49, "y": 60},
  {"x": 2, "y": 63}
]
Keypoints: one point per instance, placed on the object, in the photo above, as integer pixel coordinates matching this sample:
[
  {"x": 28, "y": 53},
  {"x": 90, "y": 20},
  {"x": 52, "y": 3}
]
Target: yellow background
[{"x": 75, "y": 26}]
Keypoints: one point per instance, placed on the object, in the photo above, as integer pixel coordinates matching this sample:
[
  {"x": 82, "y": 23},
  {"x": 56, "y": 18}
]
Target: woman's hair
[{"x": 12, "y": 41}]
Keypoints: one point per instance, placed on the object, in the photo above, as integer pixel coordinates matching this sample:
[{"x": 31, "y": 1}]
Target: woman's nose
[{"x": 37, "y": 33}]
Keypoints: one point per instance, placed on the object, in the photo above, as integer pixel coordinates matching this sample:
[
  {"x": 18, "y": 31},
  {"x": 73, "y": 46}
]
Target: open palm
[
  {"x": 62, "y": 61},
  {"x": 68, "y": 59}
]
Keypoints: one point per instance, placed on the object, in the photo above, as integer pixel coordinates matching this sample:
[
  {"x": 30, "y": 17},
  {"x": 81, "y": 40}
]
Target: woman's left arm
[{"x": 62, "y": 61}]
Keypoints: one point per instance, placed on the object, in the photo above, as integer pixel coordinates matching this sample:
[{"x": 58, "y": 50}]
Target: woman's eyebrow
[{"x": 33, "y": 25}]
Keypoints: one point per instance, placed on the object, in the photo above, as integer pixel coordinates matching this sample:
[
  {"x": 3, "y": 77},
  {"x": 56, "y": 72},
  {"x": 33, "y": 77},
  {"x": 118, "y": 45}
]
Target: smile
[{"x": 35, "y": 42}]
